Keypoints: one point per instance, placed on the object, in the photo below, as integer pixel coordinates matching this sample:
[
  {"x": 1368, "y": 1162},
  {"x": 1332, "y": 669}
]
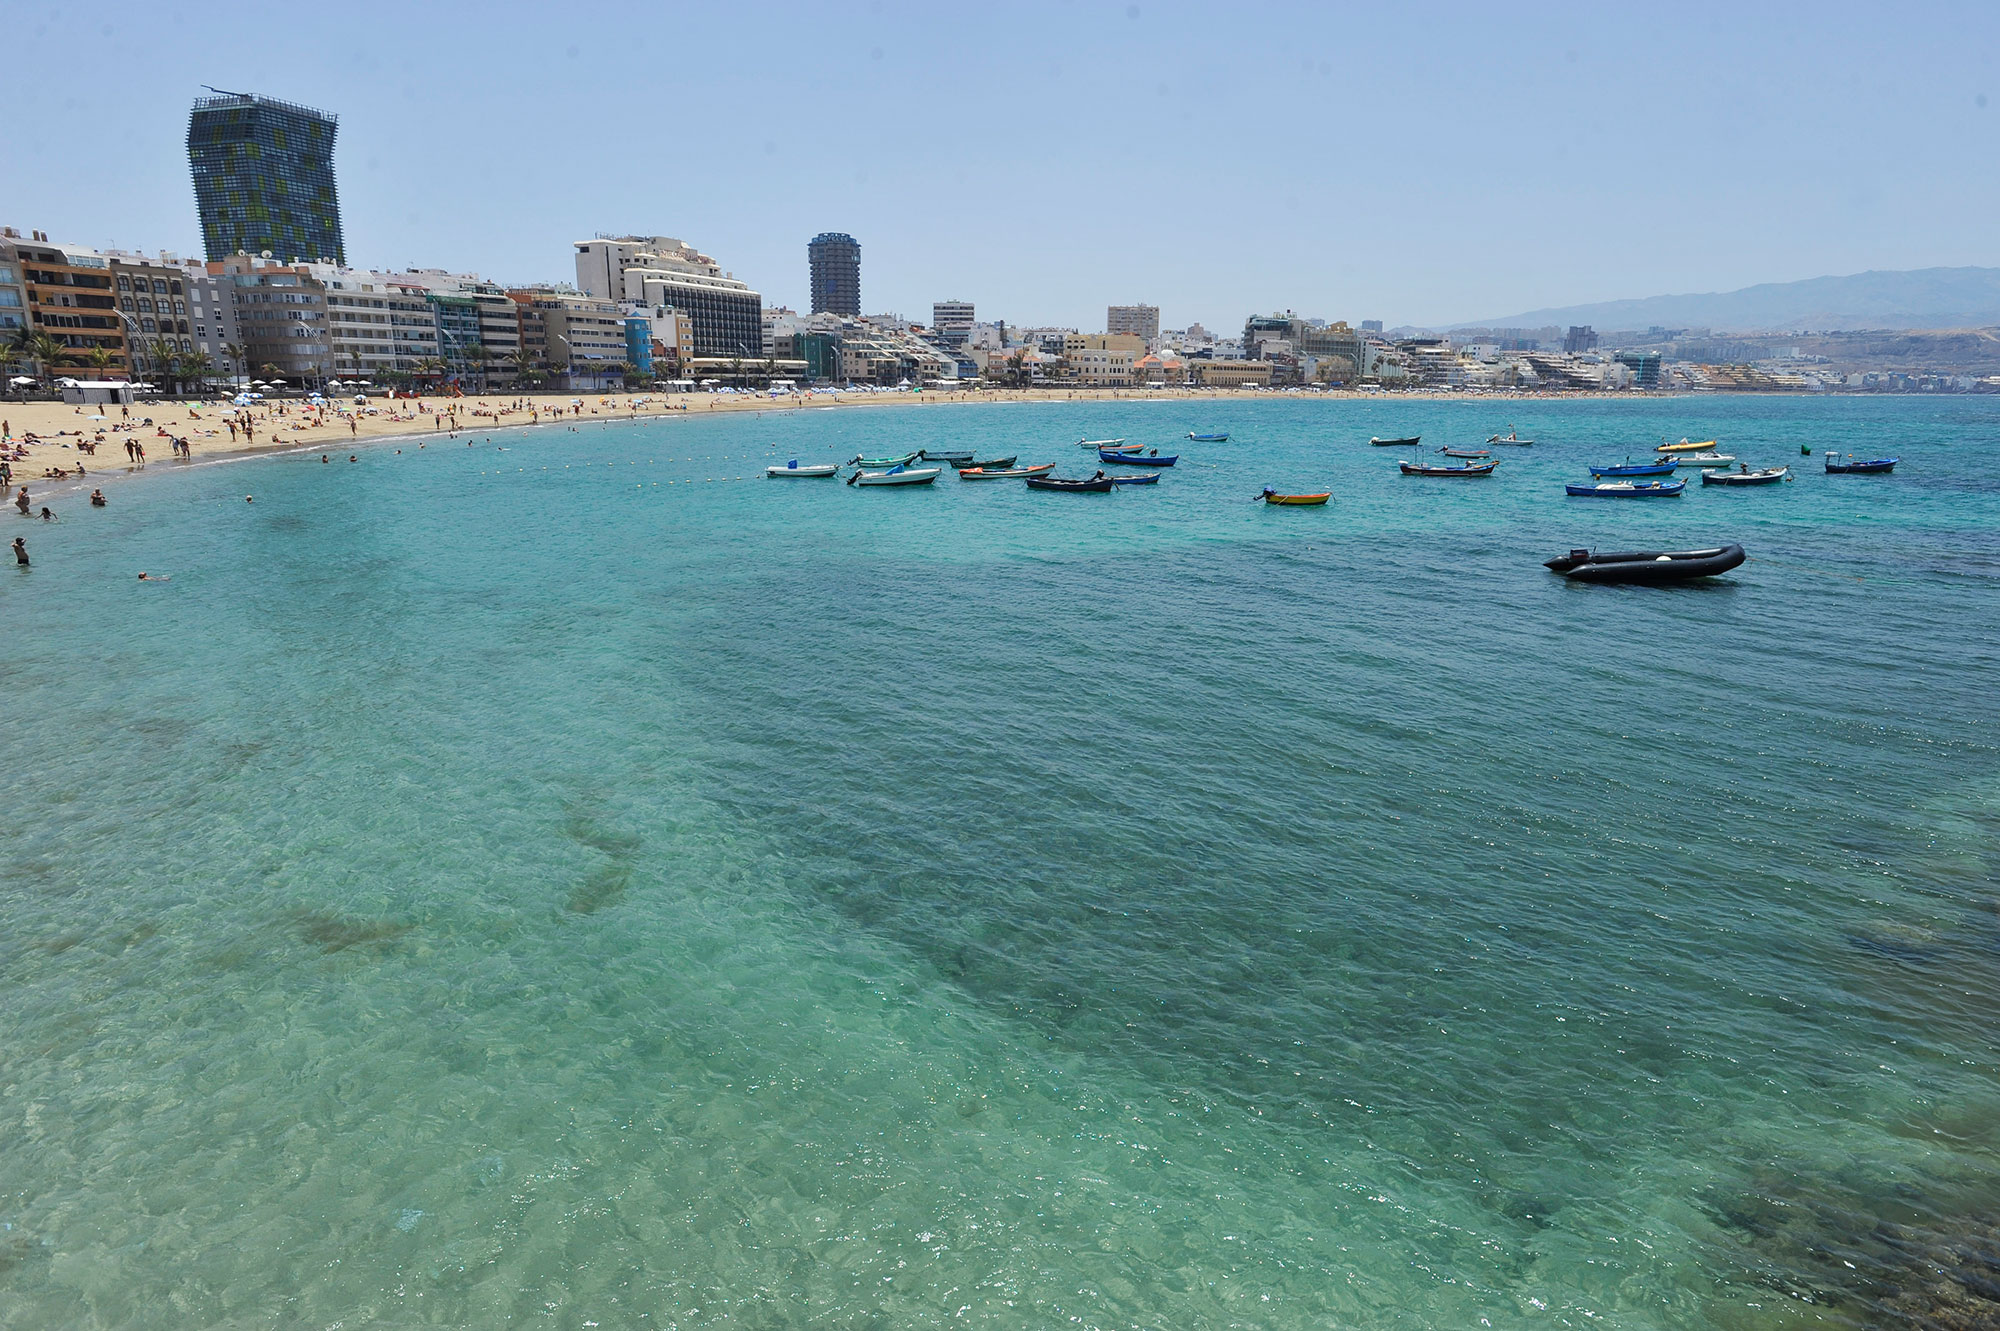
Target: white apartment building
[
  {"x": 952, "y": 320},
  {"x": 659, "y": 270},
  {"x": 376, "y": 321}
]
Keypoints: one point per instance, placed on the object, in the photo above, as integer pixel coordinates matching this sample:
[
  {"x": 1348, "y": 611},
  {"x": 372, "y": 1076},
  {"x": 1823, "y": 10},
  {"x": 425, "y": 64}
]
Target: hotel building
[
  {"x": 835, "y": 260},
  {"x": 263, "y": 178},
  {"x": 728, "y": 317}
]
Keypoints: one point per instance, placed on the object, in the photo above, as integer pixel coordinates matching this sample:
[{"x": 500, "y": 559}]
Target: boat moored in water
[
  {"x": 883, "y": 464},
  {"x": 1466, "y": 452},
  {"x": 1470, "y": 469},
  {"x": 1098, "y": 484},
  {"x": 1099, "y": 443},
  {"x": 1144, "y": 478},
  {"x": 1866, "y": 467},
  {"x": 1512, "y": 439},
  {"x": 1222, "y": 438},
  {"x": 811, "y": 469},
  {"x": 896, "y": 476},
  {"x": 1152, "y": 459},
  {"x": 1410, "y": 442},
  {"x": 1271, "y": 496},
  {"x": 1687, "y": 446},
  {"x": 1628, "y": 490},
  {"x": 949, "y": 459},
  {"x": 1654, "y": 566},
  {"x": 993, "y": 464},
  {"x": 1703, "y": 459},
  {"x": 1768, "y": 476},
  {"x": 1661, "y": 468},
  {"x": 1004, "y": 473}
]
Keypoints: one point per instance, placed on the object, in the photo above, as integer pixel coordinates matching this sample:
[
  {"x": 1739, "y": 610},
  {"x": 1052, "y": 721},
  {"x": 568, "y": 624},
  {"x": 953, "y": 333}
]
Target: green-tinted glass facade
[{"x": 263, "y": 178}]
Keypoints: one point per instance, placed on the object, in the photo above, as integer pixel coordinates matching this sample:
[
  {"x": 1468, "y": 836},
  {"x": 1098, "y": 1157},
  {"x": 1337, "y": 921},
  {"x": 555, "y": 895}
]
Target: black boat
[
  {"x": 1098, "y": 484},
  {"x": 1646, "y": 565},
  {"x": 991, "y": 464},
  {"x": 1868, "y": 467},
  {"x": 1410, "y": 442},
  {"x": 949, "y": 459}
]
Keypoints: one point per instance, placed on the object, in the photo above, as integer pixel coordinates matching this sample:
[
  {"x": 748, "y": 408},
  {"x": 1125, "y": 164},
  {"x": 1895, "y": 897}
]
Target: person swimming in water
[{"x": 154, "y": 577}]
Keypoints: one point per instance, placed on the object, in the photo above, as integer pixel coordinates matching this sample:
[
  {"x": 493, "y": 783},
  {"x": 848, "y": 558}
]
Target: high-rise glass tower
[
  {"x": 263, "y": 178},
  {"x": 836, "y": 273}
]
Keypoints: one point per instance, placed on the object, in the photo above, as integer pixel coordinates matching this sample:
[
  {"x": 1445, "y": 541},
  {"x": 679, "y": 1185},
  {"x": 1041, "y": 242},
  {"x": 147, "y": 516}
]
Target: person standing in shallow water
[{"x": 20, "y": 552}]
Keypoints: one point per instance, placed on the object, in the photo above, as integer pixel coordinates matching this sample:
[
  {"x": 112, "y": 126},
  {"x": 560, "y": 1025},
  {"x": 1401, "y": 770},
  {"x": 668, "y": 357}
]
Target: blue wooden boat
[
  {"x": 1138, "y": 460},
  {"x": 1209, "y": 438},
  {"x": 1664, "y": 467},
  {"x": 1146, "y": 478},
  {"x": 1870, "y": 467},
  {"x": 1628, "y": 490}
]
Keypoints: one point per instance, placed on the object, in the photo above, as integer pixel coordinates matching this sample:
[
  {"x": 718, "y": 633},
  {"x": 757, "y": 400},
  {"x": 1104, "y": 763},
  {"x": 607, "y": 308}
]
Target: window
[
  {"x": 124, "y": 284},
  {"x": 145, "y": 305},
  {"x": 149, "y": 325},
  {"x": 159, "y": 287}
]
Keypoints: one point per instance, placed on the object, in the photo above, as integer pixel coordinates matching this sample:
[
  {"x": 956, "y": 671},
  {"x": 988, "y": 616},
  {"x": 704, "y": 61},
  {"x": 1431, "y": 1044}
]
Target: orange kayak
[{"x": 1273, "y": 497}]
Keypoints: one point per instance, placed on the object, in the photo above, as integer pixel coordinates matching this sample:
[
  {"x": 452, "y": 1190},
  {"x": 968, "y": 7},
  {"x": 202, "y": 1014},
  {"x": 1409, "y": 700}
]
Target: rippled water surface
[{"x": 582, "y": 884}]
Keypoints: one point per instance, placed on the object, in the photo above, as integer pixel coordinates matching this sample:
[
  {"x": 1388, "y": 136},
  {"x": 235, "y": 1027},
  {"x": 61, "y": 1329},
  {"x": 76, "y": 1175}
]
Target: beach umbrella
[{"x": 20, "y": 379}]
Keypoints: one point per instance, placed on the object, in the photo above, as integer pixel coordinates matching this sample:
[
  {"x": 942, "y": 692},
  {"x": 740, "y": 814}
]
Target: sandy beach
[{"x": 58, "y": 436}]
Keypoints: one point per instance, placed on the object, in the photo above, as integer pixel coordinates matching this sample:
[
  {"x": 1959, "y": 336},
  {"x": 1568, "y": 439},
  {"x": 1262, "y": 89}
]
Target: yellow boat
[
  {"x": 1273, "y": 497},
  {"x": 1686, "y": 447}
]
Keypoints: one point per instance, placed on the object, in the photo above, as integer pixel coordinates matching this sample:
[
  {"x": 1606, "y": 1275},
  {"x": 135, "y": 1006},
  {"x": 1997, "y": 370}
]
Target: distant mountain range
[{"x": 1920, "y": 298}]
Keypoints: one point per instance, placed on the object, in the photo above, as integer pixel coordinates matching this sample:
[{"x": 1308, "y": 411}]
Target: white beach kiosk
[{"x": 98, "y": 392}]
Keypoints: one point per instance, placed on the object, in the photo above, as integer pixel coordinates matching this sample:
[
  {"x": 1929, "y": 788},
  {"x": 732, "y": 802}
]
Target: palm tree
[
  {"x": 478, "y": 355},
  {"x": 43, "y": 349},
  {"x": 160, "y": 356},
  {"x": 99, "y": 358},
  {"x": 237, "y": 356},
  {"x": 196, "y": 365}
]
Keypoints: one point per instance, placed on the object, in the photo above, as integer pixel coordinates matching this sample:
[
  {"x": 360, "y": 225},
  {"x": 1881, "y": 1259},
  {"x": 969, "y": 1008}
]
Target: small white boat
[
  {"x": 896, "y": 476},
  {"x": 1702, "y": 459},
  {"x": 1099, "y": 443},
  {"x": 793, "y": 468}
]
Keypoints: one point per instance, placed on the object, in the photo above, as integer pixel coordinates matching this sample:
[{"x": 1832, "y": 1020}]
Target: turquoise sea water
[{"x": 571, "y": 886}]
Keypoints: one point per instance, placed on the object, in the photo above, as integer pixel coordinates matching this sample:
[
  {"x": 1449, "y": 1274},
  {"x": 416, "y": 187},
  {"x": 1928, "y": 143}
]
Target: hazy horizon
[{"x": 1344, "y": 165}]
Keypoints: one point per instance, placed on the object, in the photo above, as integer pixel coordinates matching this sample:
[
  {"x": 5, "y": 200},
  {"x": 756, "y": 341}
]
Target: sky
[{"x": 1417, "y": 164}]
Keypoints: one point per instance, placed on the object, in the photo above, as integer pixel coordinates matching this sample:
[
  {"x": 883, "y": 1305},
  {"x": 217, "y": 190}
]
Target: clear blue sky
[{"x": 1428, "y": 164}]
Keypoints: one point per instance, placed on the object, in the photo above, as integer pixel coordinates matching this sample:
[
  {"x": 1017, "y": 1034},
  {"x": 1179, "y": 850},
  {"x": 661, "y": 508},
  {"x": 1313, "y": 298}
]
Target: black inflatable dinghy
[{"x": 1646, "y": 565}]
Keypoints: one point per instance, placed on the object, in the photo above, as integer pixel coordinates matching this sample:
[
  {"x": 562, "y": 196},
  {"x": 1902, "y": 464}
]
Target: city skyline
[{"x": 1498, "y": 164}]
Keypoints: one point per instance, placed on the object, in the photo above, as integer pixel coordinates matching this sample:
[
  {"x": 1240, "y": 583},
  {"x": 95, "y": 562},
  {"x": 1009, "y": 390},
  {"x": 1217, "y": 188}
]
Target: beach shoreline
[{"x": 59, "y": 427}]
